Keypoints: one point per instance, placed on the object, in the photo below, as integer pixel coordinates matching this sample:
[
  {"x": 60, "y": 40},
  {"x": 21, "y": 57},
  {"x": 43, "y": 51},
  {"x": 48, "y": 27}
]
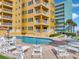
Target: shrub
[
  {"x": 70, "y": 34},
  {"x": 54, "y": 35}
]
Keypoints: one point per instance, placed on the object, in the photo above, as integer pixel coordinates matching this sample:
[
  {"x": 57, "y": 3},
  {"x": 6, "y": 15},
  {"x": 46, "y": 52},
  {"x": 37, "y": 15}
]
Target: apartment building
[
  {"x": 6, "y": 7},
  {"x": 33, "y": 17},
  {"x": 17, "y": 17},
  {"x": 63, "y": 12}
]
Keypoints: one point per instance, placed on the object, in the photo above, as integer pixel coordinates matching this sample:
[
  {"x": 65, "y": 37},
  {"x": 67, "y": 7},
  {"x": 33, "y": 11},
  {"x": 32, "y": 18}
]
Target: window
[
  {"x": 30, "y": 28},
  {"x": 30, "y": 19},
  {"x": 30, "y": 3},
  {"x": 30, "y": 11},
  {"x": 24, "y": 28},
  {"x": 24, "y": 20},
  {"x": 24, "y": 12},
  {"x": 24, "y": 5}
]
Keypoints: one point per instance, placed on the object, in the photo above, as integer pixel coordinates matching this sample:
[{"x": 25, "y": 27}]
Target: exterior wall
[
  {"x": 60, "y": 17},
  {"x": 43, "y": 18},
  {"x": 17, "y": 18},
  {"x": 66, "y": 8},
  {"x": 6, "y": 15}
]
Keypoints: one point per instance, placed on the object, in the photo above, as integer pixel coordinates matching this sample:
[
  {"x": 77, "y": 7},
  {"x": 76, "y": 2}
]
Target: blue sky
[{"x": 75, "y": 11}]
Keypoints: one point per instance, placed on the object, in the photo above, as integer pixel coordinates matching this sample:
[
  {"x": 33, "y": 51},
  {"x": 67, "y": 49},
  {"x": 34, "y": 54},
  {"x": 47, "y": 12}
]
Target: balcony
[
  {"x": 37, "y": 3},
  {"x": 8, "y": 4},
  {"x": 6, "y": 11},
  {"x": 37, "y": 30},
  {"x": 7, "y": 24},
  {"x": 45, "y": 22},
  {"x": 7, "y": 17},
  {"x": 45, "y": 30},
  {"x": 42, "y": 12},
  {"x": 37, "y": 22}
]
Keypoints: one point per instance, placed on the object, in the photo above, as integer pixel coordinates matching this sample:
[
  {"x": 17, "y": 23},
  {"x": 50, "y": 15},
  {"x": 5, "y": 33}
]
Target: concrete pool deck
[{"x": 47, "y": 52}]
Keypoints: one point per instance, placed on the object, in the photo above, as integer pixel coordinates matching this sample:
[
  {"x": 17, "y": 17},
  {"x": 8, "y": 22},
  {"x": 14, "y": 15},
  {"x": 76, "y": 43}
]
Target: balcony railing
[
  {"x": 44, "y": 12},
  {"x": 44, "y": 21},
  {"x": 38, "y": 21},
  {"x": 9, "y": 17},
  {"x": 44, "y": 3},
  {"x": 38, "y": 11},
  {"x": 7, "y": 23},
  {"x": 37, "y": 30},
  {"x": 8, "y": 10},
  {"x": 7, "y": 3},
  {"x": 45, "y": 30}
]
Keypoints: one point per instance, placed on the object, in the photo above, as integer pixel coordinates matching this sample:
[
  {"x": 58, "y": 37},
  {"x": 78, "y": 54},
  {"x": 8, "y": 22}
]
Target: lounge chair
[
  {"x": 37, "y": 52},
  {"x": 61, "y": 52}
]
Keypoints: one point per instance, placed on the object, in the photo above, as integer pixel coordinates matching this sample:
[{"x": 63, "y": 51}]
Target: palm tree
[
  {"x": 69, "y": 22},
  {"x": 74, "y": 25}
]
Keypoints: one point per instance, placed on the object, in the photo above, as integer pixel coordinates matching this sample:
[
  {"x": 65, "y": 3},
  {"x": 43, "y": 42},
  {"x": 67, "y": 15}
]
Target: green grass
[{"x": 4, "y": 57}]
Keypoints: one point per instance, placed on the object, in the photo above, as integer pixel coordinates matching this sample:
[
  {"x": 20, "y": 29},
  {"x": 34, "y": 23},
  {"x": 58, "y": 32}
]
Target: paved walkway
[{"x": 47, "y": 53}]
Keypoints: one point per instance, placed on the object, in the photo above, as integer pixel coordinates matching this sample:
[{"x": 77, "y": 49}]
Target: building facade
[
  {"x": 33, "y": 17},
  {"x": 6, "y": 7},
  {"x": 63, "y": 12}
]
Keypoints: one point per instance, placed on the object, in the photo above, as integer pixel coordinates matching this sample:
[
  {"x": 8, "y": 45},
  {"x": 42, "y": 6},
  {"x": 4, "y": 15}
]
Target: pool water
[{"x": 34, "y": 40}]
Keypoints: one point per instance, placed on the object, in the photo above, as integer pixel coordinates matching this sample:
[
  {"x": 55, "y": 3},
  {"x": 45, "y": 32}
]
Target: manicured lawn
[{"x": 4, "y": 57}]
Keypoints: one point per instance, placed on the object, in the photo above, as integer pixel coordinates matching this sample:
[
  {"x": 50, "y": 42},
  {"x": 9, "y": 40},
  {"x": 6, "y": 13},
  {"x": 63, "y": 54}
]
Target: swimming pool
[{"x": 34, "y": 40}]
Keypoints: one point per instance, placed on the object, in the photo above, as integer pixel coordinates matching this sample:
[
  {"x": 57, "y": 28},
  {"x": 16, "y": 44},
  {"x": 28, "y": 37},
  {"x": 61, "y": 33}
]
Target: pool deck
[{"x": 47, "y": 52}]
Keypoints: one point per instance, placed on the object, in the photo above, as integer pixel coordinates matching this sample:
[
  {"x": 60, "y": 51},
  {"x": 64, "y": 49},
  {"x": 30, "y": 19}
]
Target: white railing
[
  {"x": 44, "y": 21},
  {"x": 45, "y": 30},
  {"x": 37, "y": 30},
  {"x": 44, "y": 3},
  {"x": 37, "y": 2},
  {"x": 38, "y": 21},
  {"x": 44, "y": 12},
  {"x": 8, "y": 10},
  {"x": 9, "y": 17},
  {"x": 7, "y": 23},
  {"x": 38, "y": 11},
  {"x": 7, "y": 3}
]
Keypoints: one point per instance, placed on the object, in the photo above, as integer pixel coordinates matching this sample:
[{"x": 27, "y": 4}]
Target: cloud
[
  {"x": 75, "y": 5},
  {"x": 77, "y": 28},
  {"x": 74, "y": 15}
]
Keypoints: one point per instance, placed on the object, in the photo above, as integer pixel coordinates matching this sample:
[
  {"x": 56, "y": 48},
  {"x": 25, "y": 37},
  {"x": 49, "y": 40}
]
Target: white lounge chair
[
  {"x": 61, "y": 52},
  {"x": 37, "y": 52}
]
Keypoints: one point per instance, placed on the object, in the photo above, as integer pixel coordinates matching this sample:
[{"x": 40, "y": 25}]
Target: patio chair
[{"x": 37, "y": 52}]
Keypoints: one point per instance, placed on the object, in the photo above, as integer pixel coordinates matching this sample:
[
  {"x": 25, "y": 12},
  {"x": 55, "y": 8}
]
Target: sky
[{"x": 75, "y": 11}]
